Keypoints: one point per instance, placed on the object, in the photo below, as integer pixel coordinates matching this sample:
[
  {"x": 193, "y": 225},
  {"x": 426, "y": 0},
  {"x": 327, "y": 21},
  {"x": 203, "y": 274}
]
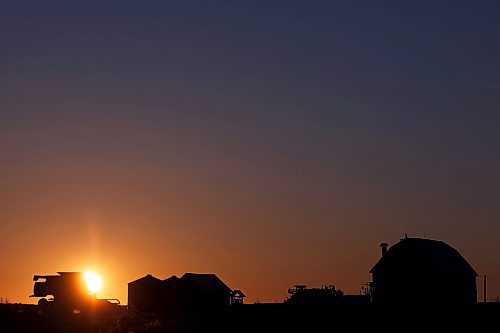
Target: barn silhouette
[{"x": 422, "y": 271}]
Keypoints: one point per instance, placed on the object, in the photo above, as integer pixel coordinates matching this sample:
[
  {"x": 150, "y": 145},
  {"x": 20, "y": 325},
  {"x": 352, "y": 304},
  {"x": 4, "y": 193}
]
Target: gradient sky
[{"x": 272, "y": 143}]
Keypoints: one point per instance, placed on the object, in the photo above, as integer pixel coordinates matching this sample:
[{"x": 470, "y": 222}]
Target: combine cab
[{"x": 70, "y": 294}]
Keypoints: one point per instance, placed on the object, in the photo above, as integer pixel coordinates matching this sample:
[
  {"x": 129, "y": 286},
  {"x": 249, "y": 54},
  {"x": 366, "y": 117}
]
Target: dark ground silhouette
[{"x": 266, "y": 317}]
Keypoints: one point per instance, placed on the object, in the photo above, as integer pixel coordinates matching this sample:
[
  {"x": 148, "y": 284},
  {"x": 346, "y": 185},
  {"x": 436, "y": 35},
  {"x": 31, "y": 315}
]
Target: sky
[{"x": 273, "y": 143}]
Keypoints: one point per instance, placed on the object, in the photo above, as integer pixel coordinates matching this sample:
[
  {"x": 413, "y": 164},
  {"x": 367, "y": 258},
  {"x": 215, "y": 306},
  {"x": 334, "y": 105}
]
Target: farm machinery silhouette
[{"x": 71, "y": 293}]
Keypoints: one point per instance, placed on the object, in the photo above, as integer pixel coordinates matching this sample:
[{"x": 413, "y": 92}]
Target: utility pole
[{"x": 484, "y": 288}]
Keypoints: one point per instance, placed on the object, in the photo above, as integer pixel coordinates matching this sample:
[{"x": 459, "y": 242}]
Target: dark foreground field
[{"x": 263, "y": 318}]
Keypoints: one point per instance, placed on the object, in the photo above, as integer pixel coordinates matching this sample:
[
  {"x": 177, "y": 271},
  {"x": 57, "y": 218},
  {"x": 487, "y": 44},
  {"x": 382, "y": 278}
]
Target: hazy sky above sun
[{"x": 270, "y": 142}]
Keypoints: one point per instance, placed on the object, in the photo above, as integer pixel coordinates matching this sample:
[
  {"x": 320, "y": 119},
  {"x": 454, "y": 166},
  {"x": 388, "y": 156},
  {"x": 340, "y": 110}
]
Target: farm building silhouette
[
  {"x": 191, "y": 293},
  {"x": 422, "y": 271}
]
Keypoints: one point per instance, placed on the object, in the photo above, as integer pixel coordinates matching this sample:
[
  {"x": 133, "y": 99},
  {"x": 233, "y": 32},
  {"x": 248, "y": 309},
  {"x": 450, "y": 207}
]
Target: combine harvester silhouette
[{"x": 72, "y": 293}]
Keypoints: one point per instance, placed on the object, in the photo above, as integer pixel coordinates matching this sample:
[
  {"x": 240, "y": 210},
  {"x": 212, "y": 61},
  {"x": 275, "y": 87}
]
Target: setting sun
[{"x": 93, "y": 281}]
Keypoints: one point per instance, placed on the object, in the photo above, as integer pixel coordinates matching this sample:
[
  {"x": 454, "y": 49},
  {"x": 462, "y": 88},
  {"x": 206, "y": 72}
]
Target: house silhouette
[{"x": 422, "y": 271}]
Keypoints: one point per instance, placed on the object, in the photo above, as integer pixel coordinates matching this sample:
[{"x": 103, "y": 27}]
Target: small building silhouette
[
  {"x": 237, "y": 297},
  {"x": 422, "y": 271}
]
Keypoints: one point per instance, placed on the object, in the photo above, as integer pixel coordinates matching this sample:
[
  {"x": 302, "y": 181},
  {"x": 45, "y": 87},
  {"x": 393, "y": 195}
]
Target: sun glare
[{"x": 93, "y": 281}]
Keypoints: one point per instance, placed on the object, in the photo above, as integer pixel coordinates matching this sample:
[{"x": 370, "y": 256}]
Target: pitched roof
[
  {"x": 238, "y": 293},
  {"x": 173, "y": 279},
  {"x": 206, "y": 282},
  {"x": 145, "y": 279},
  {"x": 444, "y": 257}
]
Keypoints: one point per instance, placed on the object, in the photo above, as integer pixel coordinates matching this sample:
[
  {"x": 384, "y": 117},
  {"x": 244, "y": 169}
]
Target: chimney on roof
[{"x": 384, "y": 249}]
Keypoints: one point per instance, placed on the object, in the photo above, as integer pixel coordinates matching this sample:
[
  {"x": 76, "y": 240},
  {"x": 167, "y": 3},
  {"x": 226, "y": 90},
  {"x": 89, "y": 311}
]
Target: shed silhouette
[{"x": 422, "y": 271}]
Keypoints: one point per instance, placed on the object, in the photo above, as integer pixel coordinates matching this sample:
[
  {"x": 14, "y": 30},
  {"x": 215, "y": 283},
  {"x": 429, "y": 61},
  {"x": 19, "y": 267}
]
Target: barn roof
[
  {"x": 444, "y": 257},
  {"x": 206, "y": 282}
]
